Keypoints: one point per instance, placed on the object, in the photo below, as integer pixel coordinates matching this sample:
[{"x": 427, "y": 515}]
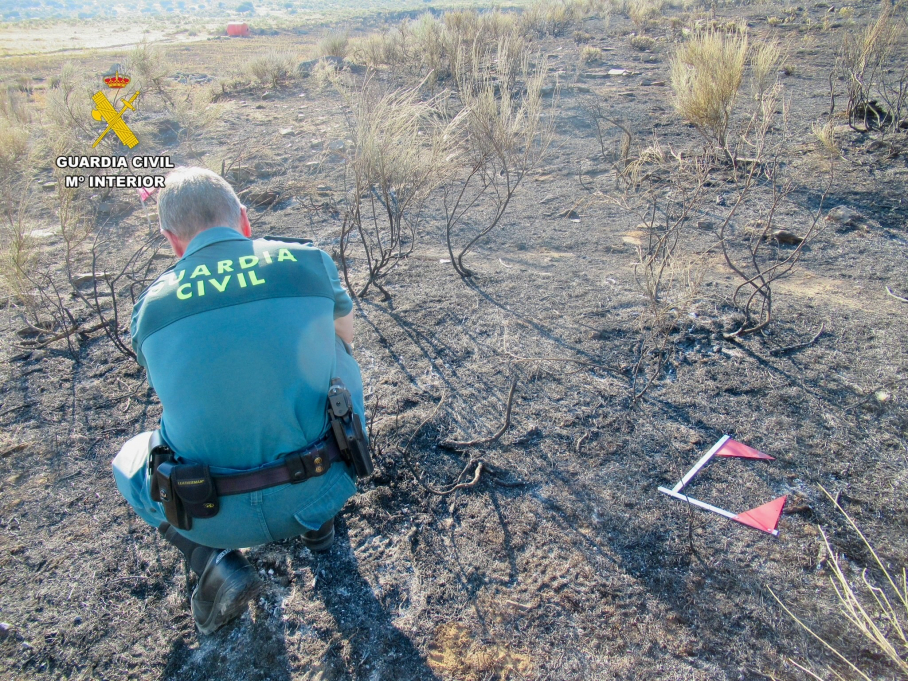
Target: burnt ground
[{"x": 563, "y": 561}]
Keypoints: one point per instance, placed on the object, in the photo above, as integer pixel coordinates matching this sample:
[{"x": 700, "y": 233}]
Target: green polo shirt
[{"x": 239, "y": 343}]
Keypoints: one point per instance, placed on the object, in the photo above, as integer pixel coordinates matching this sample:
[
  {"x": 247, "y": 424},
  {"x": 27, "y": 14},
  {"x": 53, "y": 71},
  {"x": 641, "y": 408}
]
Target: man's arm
[{"x": 343, "y": 327}]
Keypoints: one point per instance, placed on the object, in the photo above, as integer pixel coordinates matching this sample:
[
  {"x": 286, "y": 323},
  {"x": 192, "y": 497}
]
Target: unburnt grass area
[{"x": 556, "y": 558}]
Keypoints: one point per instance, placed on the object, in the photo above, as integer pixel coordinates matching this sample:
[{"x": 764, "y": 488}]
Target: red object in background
[
  {"x": 238, "y": 28},
  {"x": 765, "y": 517},
  {"x": 733, "y": 448},
  {"x": 145, "y": 193}
]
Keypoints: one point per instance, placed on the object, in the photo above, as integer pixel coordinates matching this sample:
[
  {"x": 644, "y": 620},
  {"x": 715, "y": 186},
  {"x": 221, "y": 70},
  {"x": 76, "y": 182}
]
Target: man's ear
[
  {"x": 176, "y": 243},
  {"x": 245, "y": 226}
]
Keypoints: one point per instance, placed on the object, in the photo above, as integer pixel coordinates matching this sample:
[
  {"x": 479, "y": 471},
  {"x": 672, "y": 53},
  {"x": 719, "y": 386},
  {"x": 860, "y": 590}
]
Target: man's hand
[{"x": 343, "y": 327}]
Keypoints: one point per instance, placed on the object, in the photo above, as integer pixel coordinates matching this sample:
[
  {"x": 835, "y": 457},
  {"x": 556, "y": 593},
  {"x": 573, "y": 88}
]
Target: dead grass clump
[
  {"x": 825, "y": 134},
  {"x": 642, "y": 43},
  {"x": 590, "y": 54},
  {"x": 765, "y": 60},
  {"x": 274, "y": 67},
  {"x": 706, "y": 74},
  {"x": 149, "y": 69},
  {"x": 333, "y": 45},
  {"x": 549, "y": 17},
  {"x": 386, "y": 48},
  {"x": 874, "y": 609},
  {"x": 641, "y": 12},
  {"x": 13, "y": 105},
  {"x": 429, "y": 41}
]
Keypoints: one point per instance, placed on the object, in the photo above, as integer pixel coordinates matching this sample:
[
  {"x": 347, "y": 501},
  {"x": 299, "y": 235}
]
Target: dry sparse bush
[
  {"x": 706, "y": 74},
  {"x": 874, "y": 65},
  {"x": 549, "y": 17},
  {"x": 194, "y": 111},
  {"x": 13, "y": 145},
  {"x": 13, "y": 106},
  {"x": 505, "y": 136},
  {"x": 333, "y": 45},
  {"x": 400, "y": 147},
  {"x": 149, "y": 70},
  {"x": 69, "y": 107},
  {"x": 429, "y": 45},
  {"x": 774, "y": 21},
  {"x": 274, "y": 67},
  {"x": 765, "y": 60},
  {"x": 642, "y": 43}
]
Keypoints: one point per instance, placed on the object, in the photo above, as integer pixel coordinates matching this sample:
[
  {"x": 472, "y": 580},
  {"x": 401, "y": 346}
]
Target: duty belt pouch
[
  {"x": 195, "y": 488},
  {"x": 173, "y": 505}
]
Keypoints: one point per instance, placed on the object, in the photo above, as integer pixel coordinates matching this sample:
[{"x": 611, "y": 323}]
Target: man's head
[{"x": 196, "y": 199}]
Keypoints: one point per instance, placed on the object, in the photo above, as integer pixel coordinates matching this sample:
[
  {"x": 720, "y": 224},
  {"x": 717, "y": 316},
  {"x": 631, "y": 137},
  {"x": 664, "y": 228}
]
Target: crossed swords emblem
[{"x": 114, "y": 119}]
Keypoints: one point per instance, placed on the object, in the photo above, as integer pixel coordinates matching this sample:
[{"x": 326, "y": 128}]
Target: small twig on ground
[
  {"x": 10, "y": 410},
  {"x": 460, "y": 485},
  {"x": 889, "y": 291},
  {"x": 15, "y": 448},
  {"x": 799, "y": 346},
  {"x": 68, "y": 477},
  {"x": 499, "y": 433},
  {"x": 518, "y": 360},
  {"x": 37, "y": 345}
]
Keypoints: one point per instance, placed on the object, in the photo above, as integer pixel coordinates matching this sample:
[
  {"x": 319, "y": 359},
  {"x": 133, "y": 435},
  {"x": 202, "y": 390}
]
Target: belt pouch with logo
[
  {"x": 173, "y": 506},
  {"x": 194, "y": 486}
]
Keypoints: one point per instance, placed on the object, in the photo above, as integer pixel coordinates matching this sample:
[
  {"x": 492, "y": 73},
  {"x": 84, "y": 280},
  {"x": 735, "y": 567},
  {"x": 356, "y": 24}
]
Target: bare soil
[{"x": 563, "y": 561}]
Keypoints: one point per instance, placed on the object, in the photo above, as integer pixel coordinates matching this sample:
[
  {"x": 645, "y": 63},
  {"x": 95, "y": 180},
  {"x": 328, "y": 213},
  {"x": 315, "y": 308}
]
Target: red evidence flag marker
[
  {"x": 733, "y": 448},
  {"x": 765, "y": 517}
]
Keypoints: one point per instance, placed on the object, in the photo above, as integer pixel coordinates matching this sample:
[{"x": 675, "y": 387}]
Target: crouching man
[{"x": 247, "y": 344}]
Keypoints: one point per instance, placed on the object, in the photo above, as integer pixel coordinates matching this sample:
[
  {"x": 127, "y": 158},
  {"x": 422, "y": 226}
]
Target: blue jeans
[{"x": 256, "y": 517}]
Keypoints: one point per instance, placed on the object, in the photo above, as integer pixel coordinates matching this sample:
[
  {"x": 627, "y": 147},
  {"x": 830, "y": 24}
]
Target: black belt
[
  {"x": 294, "y": 468},
  {"x": 189, "y": 490}
]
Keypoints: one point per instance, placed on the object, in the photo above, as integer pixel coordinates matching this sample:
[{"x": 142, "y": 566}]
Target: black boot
[
  {"x": 227, "y": 582},
  {"x": 321, "y": 539}
]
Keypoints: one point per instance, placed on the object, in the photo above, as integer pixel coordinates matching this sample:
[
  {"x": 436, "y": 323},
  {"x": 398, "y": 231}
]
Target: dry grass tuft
[
  {"x": 642, "y": 43},
  {"x": 825, "y": 134},
  {"x": 641, "y": 12},
  {"x": 590, "y": 54},
  {"x": 333, "y": 45},
  {"x": 274, "y": 67},
  {"x": 765, "y": 60},
  {"x": 706, "y": 74},
  {"x": 874, "y": 607}
]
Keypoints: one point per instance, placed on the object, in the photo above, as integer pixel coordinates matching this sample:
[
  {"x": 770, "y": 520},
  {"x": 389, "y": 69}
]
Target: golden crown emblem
[{"x": 116, "y": 81}]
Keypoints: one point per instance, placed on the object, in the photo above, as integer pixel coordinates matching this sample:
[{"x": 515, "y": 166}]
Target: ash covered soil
[{"x": 562, "y": 561}]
